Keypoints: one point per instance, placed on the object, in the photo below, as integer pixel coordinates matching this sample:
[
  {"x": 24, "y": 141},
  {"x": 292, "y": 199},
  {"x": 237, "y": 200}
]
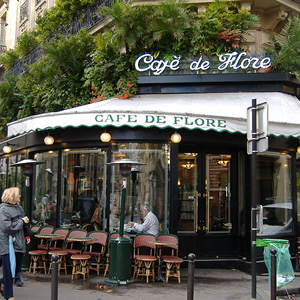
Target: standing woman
[{"x": 12, "y": 220}]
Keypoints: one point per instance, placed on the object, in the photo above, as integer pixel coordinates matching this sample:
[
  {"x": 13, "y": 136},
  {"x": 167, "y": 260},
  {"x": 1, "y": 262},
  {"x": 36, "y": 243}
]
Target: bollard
[
  {"x": 273, "y": 274},
  {"x": 190, "y": 284},
  {"x": 54, "y": 277}
]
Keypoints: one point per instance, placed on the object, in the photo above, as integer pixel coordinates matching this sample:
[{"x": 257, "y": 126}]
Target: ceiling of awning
[{"x": 205, "y": 111}]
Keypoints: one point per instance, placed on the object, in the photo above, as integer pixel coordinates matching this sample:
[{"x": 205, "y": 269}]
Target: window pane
[
  {"x": 45, "y": 194},
  {"x": 83, "y": 186},
  {"x": 274, "y": 186},
  {"x": 148, "y": 184}
]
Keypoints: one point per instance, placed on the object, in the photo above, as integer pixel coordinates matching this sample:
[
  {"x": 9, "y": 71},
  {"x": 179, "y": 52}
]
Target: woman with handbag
[{"x": 12, "y": 241}]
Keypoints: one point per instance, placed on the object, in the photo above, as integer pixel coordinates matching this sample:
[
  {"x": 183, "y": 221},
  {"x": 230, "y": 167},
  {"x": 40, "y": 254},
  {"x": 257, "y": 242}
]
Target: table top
[
  {"x": 81, "y": 239},
  {"x": 48, "y": 236},
  {"x": 161, "y": 243}
]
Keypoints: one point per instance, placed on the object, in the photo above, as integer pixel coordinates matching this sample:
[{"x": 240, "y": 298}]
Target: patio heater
[
  {"x": 134, "y": 172},
  {"x": 120, "y": 247}
]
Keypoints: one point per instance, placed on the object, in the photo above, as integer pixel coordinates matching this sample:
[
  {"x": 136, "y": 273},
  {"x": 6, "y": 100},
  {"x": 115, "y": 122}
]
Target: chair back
[
  {"x": 35, "y": 228},
  {"x": 100, "y": 242},
  {"x": 59, "y": 242},
  {"x": 114, "y": 235},
  {"x": 61, "y": 231},
  {"x": 100, "y": 236},
  {"x": 141, "y": 243},
  {"x": 75, "y": 233},
  {"x": 170, "y": 238},
  {"x": 46, "y": 229}
]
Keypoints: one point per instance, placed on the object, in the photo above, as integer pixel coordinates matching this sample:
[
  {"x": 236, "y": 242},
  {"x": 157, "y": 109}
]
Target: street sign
[{"x": 261, "y": 134}]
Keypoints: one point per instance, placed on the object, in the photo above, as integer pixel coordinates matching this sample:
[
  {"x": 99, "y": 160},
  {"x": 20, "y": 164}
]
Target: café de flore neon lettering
[
  {"x": 235, "y": 60},
  {"x": 115, "y": 119}
]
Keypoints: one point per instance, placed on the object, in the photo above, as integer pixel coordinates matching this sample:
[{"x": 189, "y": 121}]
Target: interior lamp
[
  {"x": 105, "y": 137},
  {"x": 298, "y": 149},
  {"x": 49, "y": 140},
  {"x": 175, "y": 138}
]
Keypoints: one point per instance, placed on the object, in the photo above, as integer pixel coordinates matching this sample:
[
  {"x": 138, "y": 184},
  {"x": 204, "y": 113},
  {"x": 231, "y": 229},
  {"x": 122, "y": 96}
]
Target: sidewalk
[{"x": 210, "y": 284}]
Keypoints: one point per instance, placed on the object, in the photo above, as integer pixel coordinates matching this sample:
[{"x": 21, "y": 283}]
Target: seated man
[
  {"x": 150, "y": 224},
  {"x": 114, "y": 220}
]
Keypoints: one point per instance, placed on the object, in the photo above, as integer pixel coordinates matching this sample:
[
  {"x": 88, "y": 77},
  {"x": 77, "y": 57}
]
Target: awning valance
[{"x": 204, "y": 111}]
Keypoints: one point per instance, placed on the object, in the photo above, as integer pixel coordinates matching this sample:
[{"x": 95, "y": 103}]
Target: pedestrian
[
  {"x": 12, "y": 241},
  {"x": 150, "y": 222}
]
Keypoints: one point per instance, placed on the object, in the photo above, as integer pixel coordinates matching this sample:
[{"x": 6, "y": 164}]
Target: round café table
[{"x": 158, "y": 245}]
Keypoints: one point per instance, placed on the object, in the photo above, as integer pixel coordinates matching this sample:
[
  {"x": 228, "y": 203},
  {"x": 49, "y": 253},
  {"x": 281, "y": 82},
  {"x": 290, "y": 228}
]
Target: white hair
[{"x": 146, "y": 206}]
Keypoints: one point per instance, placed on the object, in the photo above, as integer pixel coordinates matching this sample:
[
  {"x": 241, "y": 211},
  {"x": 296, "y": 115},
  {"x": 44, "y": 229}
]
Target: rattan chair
[
  {"x": 144, "y": 256},
  {"x": 96, "y": 249},
  {"x": 169, "y": 255}
]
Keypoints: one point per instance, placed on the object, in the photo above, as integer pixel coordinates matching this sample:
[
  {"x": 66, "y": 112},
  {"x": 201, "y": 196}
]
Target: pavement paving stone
[{"x": 209, "y": 284}]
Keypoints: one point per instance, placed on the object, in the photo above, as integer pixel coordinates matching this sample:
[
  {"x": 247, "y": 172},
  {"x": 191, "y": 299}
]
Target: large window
[
  {"x": 146, "y": 183},
  {"x": 44, "y": 205},
  {"x": 274, "y": 190},
  {"x": 83, "y": 186}
]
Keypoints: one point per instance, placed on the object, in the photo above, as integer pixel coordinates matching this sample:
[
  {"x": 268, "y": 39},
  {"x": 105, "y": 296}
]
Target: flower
[
  {"x": 92, "y": 87},
  {"x": 128, "y": 84}
]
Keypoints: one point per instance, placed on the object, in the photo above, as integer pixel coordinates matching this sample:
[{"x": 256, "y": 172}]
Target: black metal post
[
  {"x": 54, "y": 277},
  {"x": 253, "y": 198},
  {"x": 191, "y": 269},
  {"x": 273, "y": 274}
]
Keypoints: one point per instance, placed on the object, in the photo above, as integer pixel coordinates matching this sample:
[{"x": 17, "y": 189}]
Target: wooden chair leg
[{"x": 106, "y": 267}]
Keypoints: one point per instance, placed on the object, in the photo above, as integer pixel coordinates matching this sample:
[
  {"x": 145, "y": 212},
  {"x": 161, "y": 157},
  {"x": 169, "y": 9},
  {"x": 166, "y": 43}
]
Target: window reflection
[
  {"x": 83, "y": 187},
  {"x": 44, "y": 205},
  {"x": 146, "y": 183},
  {"x": 274, "y": 189}
]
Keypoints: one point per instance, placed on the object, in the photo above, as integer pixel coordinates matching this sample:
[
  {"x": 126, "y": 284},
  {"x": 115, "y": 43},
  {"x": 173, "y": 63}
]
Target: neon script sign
[{"x": 235, "y": 60}]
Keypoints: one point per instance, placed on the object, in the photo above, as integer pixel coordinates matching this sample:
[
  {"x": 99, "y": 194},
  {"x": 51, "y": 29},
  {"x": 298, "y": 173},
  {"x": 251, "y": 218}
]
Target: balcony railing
[{"x": 90, "y": 20}]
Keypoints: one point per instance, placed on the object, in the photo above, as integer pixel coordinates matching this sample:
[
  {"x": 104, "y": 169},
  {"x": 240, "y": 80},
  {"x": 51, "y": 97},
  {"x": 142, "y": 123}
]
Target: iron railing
[{"x": 87, "y": 18}]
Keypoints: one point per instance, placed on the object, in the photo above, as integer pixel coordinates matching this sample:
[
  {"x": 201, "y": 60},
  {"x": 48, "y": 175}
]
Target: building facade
[{"x": 200, "y": 187}]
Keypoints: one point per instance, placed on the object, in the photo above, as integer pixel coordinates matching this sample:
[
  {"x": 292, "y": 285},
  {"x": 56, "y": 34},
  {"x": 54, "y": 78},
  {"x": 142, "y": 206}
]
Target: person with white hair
[{"x": 150, "y": 224}]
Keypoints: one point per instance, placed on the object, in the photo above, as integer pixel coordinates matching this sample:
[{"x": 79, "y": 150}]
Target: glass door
[{"x": 204, "y": 198}]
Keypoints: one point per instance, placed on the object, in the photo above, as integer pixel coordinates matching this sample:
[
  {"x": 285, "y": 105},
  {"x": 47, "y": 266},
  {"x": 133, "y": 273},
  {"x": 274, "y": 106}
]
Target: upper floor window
[{"x": 24, "y": 10}]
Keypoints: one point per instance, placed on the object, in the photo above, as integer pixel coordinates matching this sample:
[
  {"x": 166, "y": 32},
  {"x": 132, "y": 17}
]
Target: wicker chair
[
  {"x": 43, "y": 243},
  {"x": 144, "y": 256},
  {"x": 58, "y": 243},
  {"x": 96, "y": 249},
  {"x": 73, "y": 247},
  {"x": 169, "y": 255}
]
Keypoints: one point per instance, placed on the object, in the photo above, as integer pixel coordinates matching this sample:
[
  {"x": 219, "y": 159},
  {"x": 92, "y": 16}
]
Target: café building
[{"x": 188, "y": 126}]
